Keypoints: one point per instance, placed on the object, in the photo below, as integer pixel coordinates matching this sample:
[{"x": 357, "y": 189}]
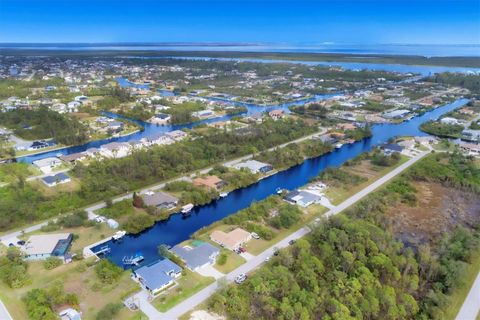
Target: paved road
[
  {"x": 4, "y": 314},
  {"x": 471, "y": 306},
  {"x": 254, "y": 263},
  {"x": 97, "y": 206}
]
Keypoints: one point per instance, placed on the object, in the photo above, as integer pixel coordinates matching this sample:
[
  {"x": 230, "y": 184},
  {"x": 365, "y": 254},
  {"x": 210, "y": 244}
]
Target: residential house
[
  {"x": 276, "y": 114},
  {"x": 159, "y": 200},
  {"x": 302, "y": 198},
  {"x": 157, "y": 276},
  {"x": 70, "y": 314},
  {"x": 254, "y": 166},
  {"x": 73, "y": 158},
  {"x": 115, "y": 149},
  {"x": 161, "y": 118},
  {"x": 449, "y": 121},
  {"x": 46, "y": 165},
  {"x": 391, "y": 148},
  {"x": 396, "y": 114},
  {"x": 472, "y": 149},
  {"x": 471, "y": 135},
  {"x": 211, "y": 182},
  {"x": 56, "y": 179},
  {"x": 39, "y": 247},
  {"x": 232, "y": 240},
  {"x": 198, "y": 256}
]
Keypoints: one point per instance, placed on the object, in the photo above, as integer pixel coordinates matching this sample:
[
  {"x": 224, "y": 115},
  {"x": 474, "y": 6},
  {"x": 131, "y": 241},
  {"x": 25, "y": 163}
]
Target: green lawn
[
  {"x": 233, "y": 262},
  {"x": 188, "y": 285},
  {"x": 458, "y": 295}
]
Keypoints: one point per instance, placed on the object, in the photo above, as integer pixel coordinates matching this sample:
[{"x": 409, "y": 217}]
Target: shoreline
[{"x": 446, "y": 61}]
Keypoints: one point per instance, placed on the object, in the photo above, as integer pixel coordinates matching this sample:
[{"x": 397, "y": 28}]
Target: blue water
[
  {"x": 178, "y": 228},
  {"x": 401, "y": 68},
  {"x": 150, "y": 130}
]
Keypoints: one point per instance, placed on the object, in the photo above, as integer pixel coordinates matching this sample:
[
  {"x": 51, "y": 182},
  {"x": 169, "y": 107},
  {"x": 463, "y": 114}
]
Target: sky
[{"x": 295, "y": 21}]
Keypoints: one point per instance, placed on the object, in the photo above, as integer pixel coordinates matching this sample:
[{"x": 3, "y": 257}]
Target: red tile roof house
[{"x": 276, "y": 114}]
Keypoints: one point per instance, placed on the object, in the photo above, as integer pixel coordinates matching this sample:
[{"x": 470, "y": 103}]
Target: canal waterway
[{"x": 179, "y": 228}]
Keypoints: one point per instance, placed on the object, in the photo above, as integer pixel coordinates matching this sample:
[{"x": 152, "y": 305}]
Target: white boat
[
  {"x": 279, "y": 190},
  {"x": 338, "y": 145},
  {"x": 187, "y": 208},
  {"x": 223, "y": 194},
  {"x": 119, "y": 235}
]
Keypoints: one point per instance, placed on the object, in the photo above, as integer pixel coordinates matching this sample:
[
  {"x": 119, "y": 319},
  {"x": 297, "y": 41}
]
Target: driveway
[
  {"x": 247, "y": 256},
  {"x": 210, "y": 271}
]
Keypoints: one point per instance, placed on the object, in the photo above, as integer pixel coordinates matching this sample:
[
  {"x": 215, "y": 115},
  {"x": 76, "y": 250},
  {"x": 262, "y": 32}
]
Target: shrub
[
  {"x": 222, "y": 259},
  {"x": 109, "y": 311},
  {"x": 52, "y": 262},
  {"x": 107, "y": 272},
  {"x": 137, "y": 223}
]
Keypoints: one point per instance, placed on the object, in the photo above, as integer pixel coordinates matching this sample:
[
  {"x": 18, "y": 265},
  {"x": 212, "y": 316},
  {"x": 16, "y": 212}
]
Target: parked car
[
  {"x": 255, "y": 236},
  {"x": 267, "y": 259},
  {"x": 276, "y": 253},
  {"x": 242, "y": 250},
  {"x": 240, "y": 278},
  {"x": 291, "y": 242}
]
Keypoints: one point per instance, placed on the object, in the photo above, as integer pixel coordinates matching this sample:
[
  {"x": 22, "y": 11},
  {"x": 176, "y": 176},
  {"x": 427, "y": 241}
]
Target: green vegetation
[
  {"x": 13, "y": 269},
  {"x": 190, "y": 193},
  {"x": 118, "y": 209},
  {"x": 108, "y": 272},
  {"x": 42, "y": 303},
  {"x": 234, "y": 179},
  {"x": 270, "y": 212},
  {"x": 182, "y": 113},
  {"x": 315, "y": 110},
  {"x": 109, "y": 311},
  {"x": 294, "y": 153},
  {"x": 52, "y": 262},
  {"x": 137, "y": 223},
  {"x": 468, "y": 81},
  {"x": 441, "y": 129},
  {"x": 22, "y": 89},
  {"x": 22, "y": 203},
  {"x": 336, "y": 177},
  {"x": 45, "y": 124}
]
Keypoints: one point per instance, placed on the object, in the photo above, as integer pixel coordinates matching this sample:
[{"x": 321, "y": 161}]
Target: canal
[{"x": 179, "y": 228}]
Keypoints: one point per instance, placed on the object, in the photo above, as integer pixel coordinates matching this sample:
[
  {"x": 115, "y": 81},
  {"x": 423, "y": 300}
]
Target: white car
[
  {"x": 255, "y": 236},
  {"x": 240, "y": 278}
]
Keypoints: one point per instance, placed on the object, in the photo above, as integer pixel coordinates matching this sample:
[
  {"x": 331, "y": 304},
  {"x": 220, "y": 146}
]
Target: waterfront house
[
  {"x": 73, "y": 158},
  {"x": 302, "y": 198},
  {"x": 391, "y": 148},
  {"x": 157, "y": 276},
  {"x": 396, "y": 114},
  {"x": 198, "y": 256},
  {"x": 232, "y": 240},
  {"x": 276, "y": 114},
  {"x": 159, "y": 200},
  {"x": 211, "y": 182},
  {"x": 115, "y": 149},
  {"x": 40, "y": 247},
  {"x": 254, "y": 166},
  {"x": 449, "y": 121},
  {"x": 471, "y": 135},
  {"x": 203, "y": 114},
  {"x": 176, "y": 135},
  {"x": 46, "y": 165},
  {"x": 56, "y": 179},
  {"x": 37, "y": 145},
  {"x": 161, "y": 118}
]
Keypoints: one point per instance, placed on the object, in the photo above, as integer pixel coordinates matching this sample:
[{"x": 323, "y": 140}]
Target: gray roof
[
  {"x": 158, "y": 274},
  {"x": 159, "y": 198},
  {"x": 196, "y": 256}
]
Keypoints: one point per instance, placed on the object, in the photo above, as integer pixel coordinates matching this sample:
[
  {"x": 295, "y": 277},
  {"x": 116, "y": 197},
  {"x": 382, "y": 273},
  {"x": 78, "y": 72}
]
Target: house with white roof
[{"x": 47, "y": 165}]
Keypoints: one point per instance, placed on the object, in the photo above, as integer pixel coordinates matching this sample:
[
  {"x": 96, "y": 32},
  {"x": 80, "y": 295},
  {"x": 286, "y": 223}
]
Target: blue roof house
[
  {"x": 197, "y": 257},
  {"x": 55, "y": 179},
  {"x": 157, "y": 276}
]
